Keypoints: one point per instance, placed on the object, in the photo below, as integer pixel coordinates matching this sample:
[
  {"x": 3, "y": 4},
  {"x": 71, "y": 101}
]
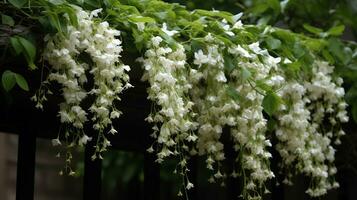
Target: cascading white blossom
[
  {"x": 217, "y": 109},
  {"x": 63, "y": 52},
  {"x": 166, "y": 71},
  {"x": 199, "y": 98},
  {"x": 209, "y": 100},
  {"x": 249, "y": 131},
  {"x": 308, "y": 125}
]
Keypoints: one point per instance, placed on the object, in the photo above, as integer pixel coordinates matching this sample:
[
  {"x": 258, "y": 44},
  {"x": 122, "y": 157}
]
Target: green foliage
[
  {"x": 5, "y": 19},
  {"x": 233, "y": 93},
  {"x": 25, "y": 47},
  {"x": 245, "y": 74},
  {"x": 336, "y": 30},
  {"x": 18, "y": 3},
  {"x": 9, "y": 79},
  {"x": 271, "y": 103},
  {"x": 273, "y": 43},
  {"x": 229, "y": 62},
  {"x": 21, "y": 82}
]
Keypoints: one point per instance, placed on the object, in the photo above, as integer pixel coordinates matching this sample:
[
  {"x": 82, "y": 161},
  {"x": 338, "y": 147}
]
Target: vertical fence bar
[
  {"x": 92, "y": 181},
  {"x": 233, "y": 184},
  {"x": 151, "y": 177},
  {"x": 3, "y": 170},
  {"x": 233, "y": 188},
  {"x": 277, "y": 191},
  {"x": 25, "y": 180}
]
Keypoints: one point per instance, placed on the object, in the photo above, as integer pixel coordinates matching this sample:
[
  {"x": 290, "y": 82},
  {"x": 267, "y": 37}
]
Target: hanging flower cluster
[
  {"x": 241, "y": 87},
  {"x": 234, "y": 100},
  {"x": 309, "y": 123},
  {"x": 100, "y": 48},
  {"x": 166, "y": 71}
]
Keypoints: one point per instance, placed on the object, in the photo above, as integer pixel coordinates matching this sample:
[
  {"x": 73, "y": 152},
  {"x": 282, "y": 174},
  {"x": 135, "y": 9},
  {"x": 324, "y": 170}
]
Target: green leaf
[
  {"x": 8, "y": 80},
  {"x": 315, "y": 44},
  {"x": 221, "y": 14},
  {"x": 271, "y": 103},
  {"x": 259, "y": 8},
  {"x": 18, "y": 3},
  {"x": 336, "y": 31},
  {"x": 21, "y": 81},
  {"x": 245, "y": 73},
  {"x": 313, "y": 29},
  {"x": 336, "y": 49},
  {"x": 16, "y": 45},
  {"x": 228, "y": 62},
  {"x": 326, "y": 54},
  {"x": 93, "y": 3},
  {"x": 55, "y": 22},
  {"x": 29, "y": 48},
  {"x": 56, "y": 2},
  {"x": 262, "y": 85},
  {"x": 285, "y": 36},
  {"x": 351, "y": 95},
  {"x": 299, "y": 50},
  {"x": 72, "y": 15},
  {"x": 273, "y": 43},
  {"x": 141, "y": 19},
  {"x": 29, "y": 52},
  {"x": 233, "y": 93},
  {"x": 5, "y": 19},
  {"x": 196, "y": 45},
  {"x": 271, "y": 125}
]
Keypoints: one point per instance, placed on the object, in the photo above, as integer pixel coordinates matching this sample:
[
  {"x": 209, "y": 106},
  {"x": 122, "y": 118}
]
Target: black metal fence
[{"x": 21, "y": 118}]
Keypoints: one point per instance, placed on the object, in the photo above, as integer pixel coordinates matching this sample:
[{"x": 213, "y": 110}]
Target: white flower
[
  {"x": 189, "y": 186},
  {"x": 273, "y": 61},
  {"x": 238, "y": 24},
  {"x": 114, "y": 114},
  {"x": 113, "y": 131},
  {"x": 287, "y": 61},
  {"x": 84, "y": 140},
  {"x": 95, "y": 13},
  {"x": 200, "y": 58},
  {"x": 221, "y": 77},
  {"x": 141, "y": 26},
  {"x": 56, "y": 142},
  {"x": 156, "y": 41},
  {"x": 192, "y": 138},
  {"x": 165, "y": 30},
  {"x": 150, "y": 149},
  {"x": 240, "y": 51},
  {"x": 126, "y": 68},
  {"x": 256, "y": 49}
]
